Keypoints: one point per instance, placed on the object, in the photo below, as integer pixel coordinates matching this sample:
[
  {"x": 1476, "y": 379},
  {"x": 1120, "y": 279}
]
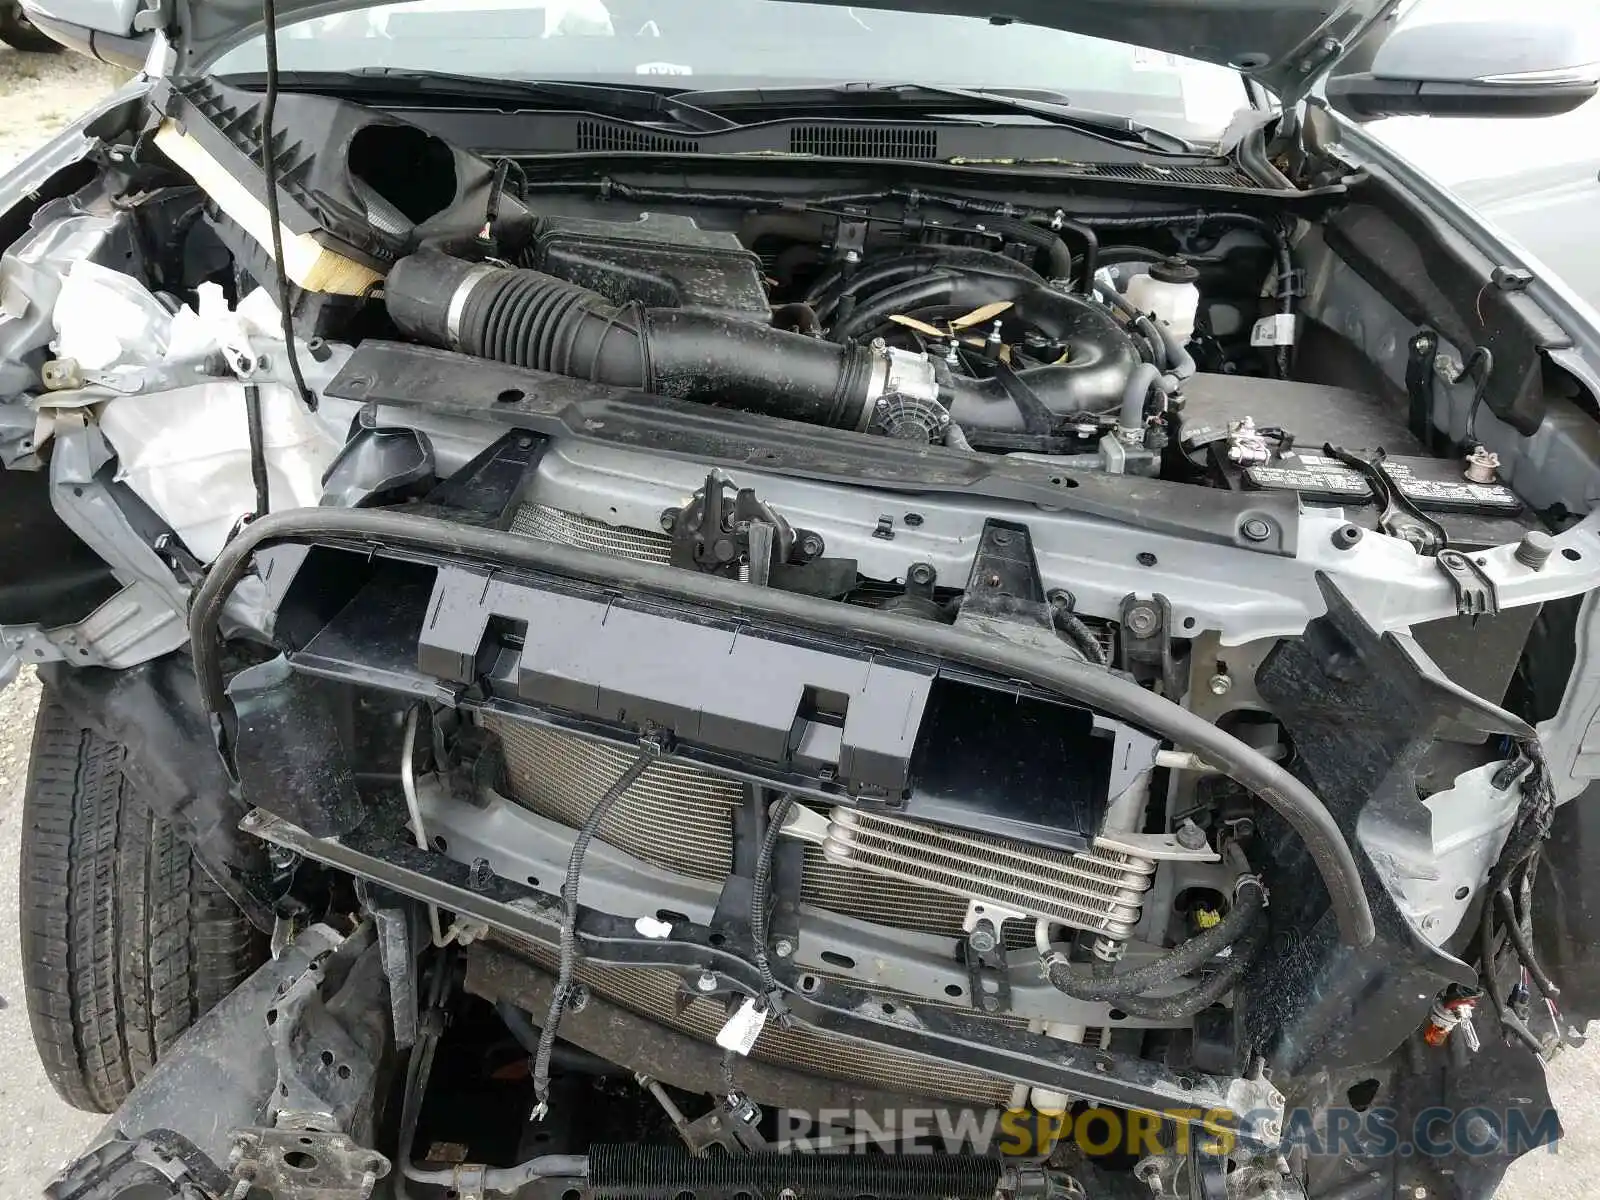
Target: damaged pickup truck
[{"x": 608, "y": 640}]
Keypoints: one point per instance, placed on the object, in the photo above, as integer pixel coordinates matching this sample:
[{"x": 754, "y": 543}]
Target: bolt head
[
  {"x": 1220, "y": 685},
  {"x": 1190, "y": 836},
  {"x": 783, "y": 948},
  {"x": 1535, "y": 549},
  {"x": 669, "y": 519},
  {"x": 1141, "y": 620},
  {"x": 982, "y": 940},
  {"x": 707, "y": 982},
  {"x": 1256, "y": 530},
  {"x": 811, "y": 546}
]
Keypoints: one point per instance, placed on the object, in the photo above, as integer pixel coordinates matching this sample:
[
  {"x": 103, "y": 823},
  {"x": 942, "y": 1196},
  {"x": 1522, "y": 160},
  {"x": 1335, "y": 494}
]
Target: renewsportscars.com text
[{"x": 1375, "y": 1132}]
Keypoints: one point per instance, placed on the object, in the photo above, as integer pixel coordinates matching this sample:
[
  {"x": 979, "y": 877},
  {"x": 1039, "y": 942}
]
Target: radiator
[{"x": 681, "y": 819}]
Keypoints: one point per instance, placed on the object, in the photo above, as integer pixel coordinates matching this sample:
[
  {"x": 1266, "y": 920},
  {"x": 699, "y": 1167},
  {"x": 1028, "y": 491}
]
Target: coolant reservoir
[{"x": 1168, "y": 293}]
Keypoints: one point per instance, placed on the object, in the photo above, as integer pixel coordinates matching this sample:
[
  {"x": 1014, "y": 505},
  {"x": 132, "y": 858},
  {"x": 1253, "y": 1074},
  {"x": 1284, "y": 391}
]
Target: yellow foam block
[{"x": 307, "y": 262}]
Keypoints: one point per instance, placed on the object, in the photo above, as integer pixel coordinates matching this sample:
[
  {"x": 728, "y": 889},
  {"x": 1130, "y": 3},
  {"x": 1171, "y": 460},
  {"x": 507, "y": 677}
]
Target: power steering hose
[
  {"x": 1208, "y": 991},
  {"x": 1242, "y": 933},
  {"x": 1082, "y": 983},
  {"x": 1062, "y": 675}
]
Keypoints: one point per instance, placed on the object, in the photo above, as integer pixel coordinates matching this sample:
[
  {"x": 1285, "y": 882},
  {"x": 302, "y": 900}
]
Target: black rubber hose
[
  {"x": 744, "y": 365},
  {"x": 1184, "y": 1004},
  {"x": 564, "y": 1055},
  {"x": 535, "y": 320},
  {"x": 1088, "y": 256},
  {"x": 1058, "y": 259},
  {"x": 1041, "y": 232},
  {"x": 1079, "y": 981},
  {"x": 1080, "y": 682},
  {"x": 962, "y": 262}
]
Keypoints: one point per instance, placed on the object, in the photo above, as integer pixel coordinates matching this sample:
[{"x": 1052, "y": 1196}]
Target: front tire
[
  {"x": 126, "y": 940},
  {"x": 21, "y": 34}
]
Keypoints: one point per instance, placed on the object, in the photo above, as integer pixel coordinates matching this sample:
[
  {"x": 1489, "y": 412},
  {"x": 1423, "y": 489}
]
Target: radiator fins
[
  {"x": 675, "y": 816},
  {"x": 659, "y": 996},
  {"x": 680, "y": 818},
  {"x": 642, "y": 1172}
]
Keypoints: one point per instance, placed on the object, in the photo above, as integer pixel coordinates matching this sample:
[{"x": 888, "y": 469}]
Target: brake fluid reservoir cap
[{"x": 1175, "y": 269}]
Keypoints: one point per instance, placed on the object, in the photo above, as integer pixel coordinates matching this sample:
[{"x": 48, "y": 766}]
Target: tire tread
[{"x": 126, "y": 940}]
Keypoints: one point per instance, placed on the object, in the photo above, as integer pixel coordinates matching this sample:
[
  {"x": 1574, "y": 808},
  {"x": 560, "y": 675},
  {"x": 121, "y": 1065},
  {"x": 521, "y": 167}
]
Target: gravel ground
[{"x": 39, "y": 93}]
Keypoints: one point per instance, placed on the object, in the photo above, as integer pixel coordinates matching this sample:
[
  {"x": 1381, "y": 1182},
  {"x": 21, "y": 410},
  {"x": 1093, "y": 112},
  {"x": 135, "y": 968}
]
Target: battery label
[{"x": 1427, "y": 483}]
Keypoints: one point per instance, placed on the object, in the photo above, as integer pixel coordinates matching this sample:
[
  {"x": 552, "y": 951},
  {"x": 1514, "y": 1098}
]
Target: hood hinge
[{"x": 154, "y": 16}]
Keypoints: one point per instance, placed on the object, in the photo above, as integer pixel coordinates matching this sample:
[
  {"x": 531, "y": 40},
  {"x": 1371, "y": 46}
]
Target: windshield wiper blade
[
  {"x": 614, "y": 100},
  {"x": 1107, "y": 126}
]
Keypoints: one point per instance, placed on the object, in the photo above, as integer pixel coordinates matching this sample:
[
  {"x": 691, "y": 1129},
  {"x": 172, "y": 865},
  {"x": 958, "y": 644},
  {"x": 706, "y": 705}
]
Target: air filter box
[{"x": 660, "y": 261}]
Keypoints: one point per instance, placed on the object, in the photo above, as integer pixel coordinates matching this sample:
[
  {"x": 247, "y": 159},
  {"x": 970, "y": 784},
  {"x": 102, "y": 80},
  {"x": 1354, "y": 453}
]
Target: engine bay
[{"x": 970, "y": 641}]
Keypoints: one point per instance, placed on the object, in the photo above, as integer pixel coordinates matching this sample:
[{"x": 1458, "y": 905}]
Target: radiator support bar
[{"x": 1250, "y": 1109}]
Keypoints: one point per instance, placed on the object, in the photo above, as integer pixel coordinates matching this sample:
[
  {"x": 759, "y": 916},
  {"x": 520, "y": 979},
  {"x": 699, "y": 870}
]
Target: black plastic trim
[{"x": 403, "y": 375}]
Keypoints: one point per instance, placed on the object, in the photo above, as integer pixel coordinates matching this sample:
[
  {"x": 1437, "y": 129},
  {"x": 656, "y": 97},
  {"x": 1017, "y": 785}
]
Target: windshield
[{"x": 743, "y": 43}]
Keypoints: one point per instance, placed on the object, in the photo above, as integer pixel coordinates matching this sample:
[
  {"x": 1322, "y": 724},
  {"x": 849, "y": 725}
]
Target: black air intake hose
[{"x": 535, "y": 320}]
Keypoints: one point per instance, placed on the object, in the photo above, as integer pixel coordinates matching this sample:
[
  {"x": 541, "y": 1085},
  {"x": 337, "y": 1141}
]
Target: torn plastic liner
[{"x": 185, "y": 451}]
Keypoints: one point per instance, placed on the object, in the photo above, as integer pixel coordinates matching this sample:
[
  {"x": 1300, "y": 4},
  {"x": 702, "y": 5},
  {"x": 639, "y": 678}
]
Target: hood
[{"x": 1282, "y": 44}]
